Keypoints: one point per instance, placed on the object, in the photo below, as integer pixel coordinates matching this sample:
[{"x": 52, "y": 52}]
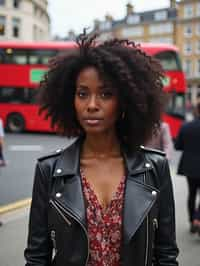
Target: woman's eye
[
  {"x": 106, "y": 94},
  {"x": 81, "y": 94}
]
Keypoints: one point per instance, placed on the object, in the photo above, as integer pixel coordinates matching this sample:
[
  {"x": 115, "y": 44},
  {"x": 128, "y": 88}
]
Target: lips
[{"x": 92, "y": 121}]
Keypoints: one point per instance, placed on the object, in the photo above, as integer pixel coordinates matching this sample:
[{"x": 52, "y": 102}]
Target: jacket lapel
[
  {"x": 70, "y": 195},
  {"x": 139, "y": 196}
]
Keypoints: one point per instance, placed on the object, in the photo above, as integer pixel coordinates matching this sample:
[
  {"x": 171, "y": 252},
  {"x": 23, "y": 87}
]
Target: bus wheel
[{"x": 15, "y": 123}]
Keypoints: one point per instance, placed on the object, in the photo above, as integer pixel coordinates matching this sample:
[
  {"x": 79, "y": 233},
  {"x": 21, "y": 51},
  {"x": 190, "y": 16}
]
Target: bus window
[
  {"x": 17, "y": 95},
  {"x": 169, "y": 60},
  {"x": 41, "y": 56},
  {"x": 176, "y": 105},
  {"x": 31, "y": 96},
  {"x": 2, "y": 55},
  {"x": 16, "y": 56}
]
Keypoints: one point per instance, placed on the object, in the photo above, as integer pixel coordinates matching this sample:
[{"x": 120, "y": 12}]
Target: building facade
[
  {"x": 177, "y": 24},
  {"x": 24, "y": 20},
  {"x": 188, "y": 41}
]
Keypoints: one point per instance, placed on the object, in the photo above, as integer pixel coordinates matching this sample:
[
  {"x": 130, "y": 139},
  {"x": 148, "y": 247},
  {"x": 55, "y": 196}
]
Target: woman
[{"x": 104, "y": 200}]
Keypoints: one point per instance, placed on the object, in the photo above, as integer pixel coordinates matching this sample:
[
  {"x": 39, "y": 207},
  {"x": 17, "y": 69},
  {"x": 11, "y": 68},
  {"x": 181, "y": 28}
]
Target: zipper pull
[
  {"x": 155, "y": 223},
  {"x": 53, "y": 238}
]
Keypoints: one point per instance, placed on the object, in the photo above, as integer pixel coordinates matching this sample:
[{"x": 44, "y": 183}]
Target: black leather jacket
[{"x": 58, "y": 226}]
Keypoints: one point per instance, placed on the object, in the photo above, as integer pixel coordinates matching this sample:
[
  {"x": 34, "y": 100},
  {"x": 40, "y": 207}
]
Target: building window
[
  {"x": 161, "y": 15},
  {"x": 132, "y": 32},
  {"x": 16, "y": 27},
  {"x": 188, "y": 30},
  {"x": 2, "y": 25},
  {"x": 2, "y": 2},
  {"x": 167, "y": 40},
  {"x": 35, "y": 32},
  {"x": 16, "y": 3},
  {"x": 161, "y": 28},
  {"x": 188, "y": 11},
  {"x": 198, "y": 9},
  {"x": 197, "y": 68},
  {"x": 198, "y": 47},
  {"x": 35, "y": 9},
  {"x": 198, "y": 29},
  {"x": 106, "y": 25},
  {"x": 133, "y": 19},
  {"x": 188, "y": 67},
  {"x": 188, "y": 48}
]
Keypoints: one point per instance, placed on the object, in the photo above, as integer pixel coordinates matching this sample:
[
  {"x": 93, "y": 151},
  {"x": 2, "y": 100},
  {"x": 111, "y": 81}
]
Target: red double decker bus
[{"x": 22, "y": 66}]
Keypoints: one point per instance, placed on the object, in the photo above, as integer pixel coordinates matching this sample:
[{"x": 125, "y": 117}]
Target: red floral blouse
[{"x": 104, "y": 226}]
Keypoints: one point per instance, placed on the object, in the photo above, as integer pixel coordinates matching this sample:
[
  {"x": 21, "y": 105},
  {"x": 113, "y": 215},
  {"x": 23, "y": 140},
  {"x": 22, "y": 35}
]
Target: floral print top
[{"x": 104, "y": 226}]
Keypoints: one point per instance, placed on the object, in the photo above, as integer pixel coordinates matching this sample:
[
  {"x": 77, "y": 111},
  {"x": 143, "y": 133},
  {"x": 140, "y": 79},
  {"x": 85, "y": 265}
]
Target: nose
[{"x": 93, "y": 104}]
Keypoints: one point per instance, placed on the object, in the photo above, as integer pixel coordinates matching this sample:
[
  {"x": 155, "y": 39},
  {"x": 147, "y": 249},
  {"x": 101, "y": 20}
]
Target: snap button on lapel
[
  {"x": 58, "y": 195},
  {"x": 58, "y": 171},
  {"x": 59, "y": 150},
  {"x": 154, "y": 193},
  {"x": 147, "y": 165}
]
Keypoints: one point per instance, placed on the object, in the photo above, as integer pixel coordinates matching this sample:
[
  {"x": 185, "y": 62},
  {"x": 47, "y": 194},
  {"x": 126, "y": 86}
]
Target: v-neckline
[{"x": 115, "y": 193}]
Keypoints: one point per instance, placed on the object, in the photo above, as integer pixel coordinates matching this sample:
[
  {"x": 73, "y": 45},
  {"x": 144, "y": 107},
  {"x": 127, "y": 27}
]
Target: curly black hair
[{"x": 137, "y": 77}]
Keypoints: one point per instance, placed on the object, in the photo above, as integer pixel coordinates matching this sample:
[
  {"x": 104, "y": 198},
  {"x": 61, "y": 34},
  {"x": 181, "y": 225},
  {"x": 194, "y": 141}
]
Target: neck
[{"x": 101, "y": 146}]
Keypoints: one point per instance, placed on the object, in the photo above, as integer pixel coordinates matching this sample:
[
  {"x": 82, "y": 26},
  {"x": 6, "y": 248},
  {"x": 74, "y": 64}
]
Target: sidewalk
[{"x": 13, "y": 236}]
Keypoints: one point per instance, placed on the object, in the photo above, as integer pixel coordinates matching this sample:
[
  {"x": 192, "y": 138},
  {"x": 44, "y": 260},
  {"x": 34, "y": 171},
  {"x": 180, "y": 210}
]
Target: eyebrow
[{"x": 82, "y": 86}]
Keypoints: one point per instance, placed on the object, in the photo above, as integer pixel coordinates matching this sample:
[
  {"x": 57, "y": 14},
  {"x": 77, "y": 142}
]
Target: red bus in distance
[{"x": 23, "y": 64}]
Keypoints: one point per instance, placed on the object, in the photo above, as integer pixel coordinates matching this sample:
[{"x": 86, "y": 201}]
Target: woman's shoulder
[
  {"x": 156, "y": 158},
  {"x": 61, "y": 161},
  {"x": 152, "y": 152},
  {"x": 158, "y": 161},
  {"x": 51, "y": 155}
]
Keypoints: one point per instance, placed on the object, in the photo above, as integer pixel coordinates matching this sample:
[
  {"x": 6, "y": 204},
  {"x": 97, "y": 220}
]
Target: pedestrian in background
[
  {"x": 104, "y": 200},
  {"x": 188, "y": 141},
  {"x": 2, "y": 160},
  {"x": 162, "y": 140}
]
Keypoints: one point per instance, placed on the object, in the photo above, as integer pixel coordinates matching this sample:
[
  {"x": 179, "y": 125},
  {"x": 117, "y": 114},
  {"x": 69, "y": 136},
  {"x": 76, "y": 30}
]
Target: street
[{"x": 16, "y": 180}]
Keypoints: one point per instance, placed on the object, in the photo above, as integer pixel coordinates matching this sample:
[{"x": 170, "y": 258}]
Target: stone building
[
  {"x": 177, "y": 24},
  {"x": 24, "y": 20}
]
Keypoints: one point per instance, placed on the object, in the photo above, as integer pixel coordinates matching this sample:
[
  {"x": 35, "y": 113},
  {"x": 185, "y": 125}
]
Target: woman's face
[{"x": 96, "y": 104}]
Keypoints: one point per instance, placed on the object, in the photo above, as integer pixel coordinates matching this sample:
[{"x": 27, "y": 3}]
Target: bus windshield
[{"x": 169, "y": 60}]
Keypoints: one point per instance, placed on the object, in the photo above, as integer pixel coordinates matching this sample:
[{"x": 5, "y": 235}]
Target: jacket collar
[
  {"x": 69, "y": 161},
  {"x": 138, "y": 198}
]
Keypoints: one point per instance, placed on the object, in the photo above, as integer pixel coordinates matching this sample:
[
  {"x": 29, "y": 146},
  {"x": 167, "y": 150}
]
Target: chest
[{"x": 103, "y": 177}]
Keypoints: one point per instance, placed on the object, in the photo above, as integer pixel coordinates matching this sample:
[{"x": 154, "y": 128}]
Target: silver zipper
[
  {"x": 53, "y": 238},
  {"x": 59, "y": 211},
  {"x": 147, "y": 233},
  {"x": 155, "y": 223},
  {"x": 73, "y": 217}
]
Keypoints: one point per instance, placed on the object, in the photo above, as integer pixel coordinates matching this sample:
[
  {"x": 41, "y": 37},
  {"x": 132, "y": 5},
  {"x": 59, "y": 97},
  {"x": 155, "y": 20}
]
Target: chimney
[
  {"x": 172, "y": 3},
  {"x": 129, "y": 9},
  {"x": 108, "y": 18}
]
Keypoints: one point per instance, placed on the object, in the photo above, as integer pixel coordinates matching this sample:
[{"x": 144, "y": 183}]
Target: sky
[{"x": 77, "y": 14}]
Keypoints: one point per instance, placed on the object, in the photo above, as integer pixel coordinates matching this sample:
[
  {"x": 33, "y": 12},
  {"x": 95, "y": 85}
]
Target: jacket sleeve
[
  {"x": 166, "y": 250},
  {"x": 38, "y": 250}
]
